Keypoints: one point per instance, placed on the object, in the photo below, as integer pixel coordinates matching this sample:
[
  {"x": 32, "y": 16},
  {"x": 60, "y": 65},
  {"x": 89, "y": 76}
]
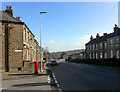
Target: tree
[{"x": 46, "y": 53}]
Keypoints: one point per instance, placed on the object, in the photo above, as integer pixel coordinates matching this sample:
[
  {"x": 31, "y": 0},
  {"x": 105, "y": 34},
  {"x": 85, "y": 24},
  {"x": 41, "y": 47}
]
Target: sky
[{"x": 66, "y": 25}]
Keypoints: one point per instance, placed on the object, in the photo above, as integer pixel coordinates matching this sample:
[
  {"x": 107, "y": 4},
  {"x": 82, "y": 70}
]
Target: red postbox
[{"x": 36, "y": 67}]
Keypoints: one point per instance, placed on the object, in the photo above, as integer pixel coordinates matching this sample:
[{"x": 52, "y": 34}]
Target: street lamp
[{"x": 41, "y": 37}]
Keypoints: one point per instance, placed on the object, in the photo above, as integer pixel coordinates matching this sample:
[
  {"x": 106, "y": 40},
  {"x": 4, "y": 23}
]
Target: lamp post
[{"x": 41, "y": 37}]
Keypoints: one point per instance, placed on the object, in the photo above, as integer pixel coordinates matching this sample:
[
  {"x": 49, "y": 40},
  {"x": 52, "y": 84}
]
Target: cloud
[
  {"x": 86, "y": 38},
  {"x": 79, "y": 43},
  {"x": 52, "y": 41},
  {"x": 55, "y": 45}
]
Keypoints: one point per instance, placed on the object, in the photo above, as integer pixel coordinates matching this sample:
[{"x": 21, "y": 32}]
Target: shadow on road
[{"x": 30, "y": 84}]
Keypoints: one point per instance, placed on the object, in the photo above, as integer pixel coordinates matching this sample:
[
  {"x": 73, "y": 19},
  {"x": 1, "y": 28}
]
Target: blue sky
[{"x": 67, "y": 25}]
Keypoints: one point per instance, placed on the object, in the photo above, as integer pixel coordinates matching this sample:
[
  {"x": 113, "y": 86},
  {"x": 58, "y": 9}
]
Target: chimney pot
[
  {"x": 97, "y": 35},
  {"x": 10, "y": 7},
  {"x": 116, "y": 28},
  {"x": 104, "y": 34},
  {"x": 9, "y": 10},
  {"x": 19, "y": 18},
  {"x": 91, "y": 38},
  {"x": 6, "y": 7}
]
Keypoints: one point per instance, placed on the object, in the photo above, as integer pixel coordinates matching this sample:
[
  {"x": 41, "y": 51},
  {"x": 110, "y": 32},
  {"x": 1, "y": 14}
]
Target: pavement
[
  {"x": 73, "y": 76},
  {"x": 25, "y": 81}
]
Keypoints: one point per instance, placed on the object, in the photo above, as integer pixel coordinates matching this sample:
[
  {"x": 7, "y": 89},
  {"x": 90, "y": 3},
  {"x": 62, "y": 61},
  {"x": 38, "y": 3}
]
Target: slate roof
[
  {"x": 104, "y": 38},
  {"x": 8, "y": 18}
]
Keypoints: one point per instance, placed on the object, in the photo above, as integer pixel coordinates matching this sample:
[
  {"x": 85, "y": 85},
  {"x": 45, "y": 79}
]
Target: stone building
[
  {"x": 104, "y": 47},
  {"x": 64, "y": 56},
  {"x": 18, "y": 42}
]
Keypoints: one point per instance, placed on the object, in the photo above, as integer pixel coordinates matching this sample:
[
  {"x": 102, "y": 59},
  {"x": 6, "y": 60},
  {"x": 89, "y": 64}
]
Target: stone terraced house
[
  {"x": 104, "y": 47},
  {"x": 18, "y": 43}
]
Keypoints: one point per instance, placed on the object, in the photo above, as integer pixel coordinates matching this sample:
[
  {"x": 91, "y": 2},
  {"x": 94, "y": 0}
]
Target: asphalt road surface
[{"x": 72, "y": 76}]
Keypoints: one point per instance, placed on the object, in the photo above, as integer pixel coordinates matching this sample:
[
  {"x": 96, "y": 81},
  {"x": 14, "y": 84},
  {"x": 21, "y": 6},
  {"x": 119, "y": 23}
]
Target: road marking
[
  {"x": 53, "y": 75},
  {"x": 59, "y": 90},
  {"x": 49, "y": 79},
  {"x": 56, "y": 82},
  {"x": 58, "y": 85},
  {"x": 55, "y": 78}
]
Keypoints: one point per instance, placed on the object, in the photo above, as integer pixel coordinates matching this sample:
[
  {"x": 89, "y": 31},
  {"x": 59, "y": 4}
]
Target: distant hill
[{"x": 70, "y": 52}]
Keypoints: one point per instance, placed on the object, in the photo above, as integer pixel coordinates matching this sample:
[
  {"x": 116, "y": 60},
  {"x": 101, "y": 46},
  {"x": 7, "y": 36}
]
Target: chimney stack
[
  {"x": 104, "y": 34},
  {"x": 97, "y": 36},
  {"x": 9, "y": 10},
  {"x": 91, "y": 38},
  {"x": 116, "y": 28},
  {"x": 19, "y": 18},
  {"x": 6, "y": 7},
  {"x": 10, "y": 7}
]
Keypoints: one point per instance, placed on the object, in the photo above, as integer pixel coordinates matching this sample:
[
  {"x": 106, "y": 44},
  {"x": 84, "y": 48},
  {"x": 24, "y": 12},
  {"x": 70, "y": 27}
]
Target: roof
[
  {"x": 8, "y": 18},
  {"x": 104, "y": 38},
  {"x": 64, "y": 53}
]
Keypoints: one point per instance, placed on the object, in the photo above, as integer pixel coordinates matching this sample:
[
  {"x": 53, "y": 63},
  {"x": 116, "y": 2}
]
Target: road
[{"x": 72, "y": 76}]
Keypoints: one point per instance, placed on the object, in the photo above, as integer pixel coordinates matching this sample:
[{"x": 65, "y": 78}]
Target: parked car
[{"x": 53, "y": 62}]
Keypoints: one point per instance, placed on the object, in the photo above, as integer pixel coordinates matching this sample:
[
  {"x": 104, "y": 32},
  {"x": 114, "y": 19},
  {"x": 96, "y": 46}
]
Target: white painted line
[
  {"x": 49, "y": 79},
  {"x": 53, "y": 75},
  {"x": 58, "y": 85},
  {"x": 59, "y": 90},
  {"x": 56, "y": 81}
]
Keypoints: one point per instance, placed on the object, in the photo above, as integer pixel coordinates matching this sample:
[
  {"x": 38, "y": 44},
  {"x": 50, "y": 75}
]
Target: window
[
  {"x": 111, "y": 41},
  {"x": 90, "y": 47},
  {"x": 105, "y": 45},
  {"x": 90, "y": 56},
  {"x": 101, "y": 55},
  {"x": 27, "y": 54},
  {"x": 24, "y": 35},
  {"x": 96, "y": 55},
  {"x": 93, "y": 47},
  {"x": 111, "y": 53},
  {"x": 32, "y": 55},
  {"x": 87, "y": 47},
  {"x": 93, "y": 55},
  {"x": 100, "y": 45},
  {"x": 27, "y": 36},
  {"x": 96, "y": 46},
  {"x": 105, "y": 55},
  {"x": 117, "y": 54},
  {"x": 117, "y": 40}
]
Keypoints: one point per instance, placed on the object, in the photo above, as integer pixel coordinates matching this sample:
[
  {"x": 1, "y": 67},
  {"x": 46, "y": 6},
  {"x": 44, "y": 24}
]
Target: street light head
[{"x": 42, "y": 12}]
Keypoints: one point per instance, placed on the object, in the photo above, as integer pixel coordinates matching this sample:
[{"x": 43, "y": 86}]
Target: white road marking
[
  {"x": 58, "y": 85},
  {"x": 49, "y": 79},
  {"x": 53, "y": 75},
  {"x": 54, "y": 78},
  {"x": 56, "y": 81},
  {"x": 59, "y": 90}
]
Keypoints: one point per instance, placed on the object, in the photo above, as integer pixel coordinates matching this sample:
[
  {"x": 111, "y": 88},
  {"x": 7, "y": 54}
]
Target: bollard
[{"x": 36, "y": 67}]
